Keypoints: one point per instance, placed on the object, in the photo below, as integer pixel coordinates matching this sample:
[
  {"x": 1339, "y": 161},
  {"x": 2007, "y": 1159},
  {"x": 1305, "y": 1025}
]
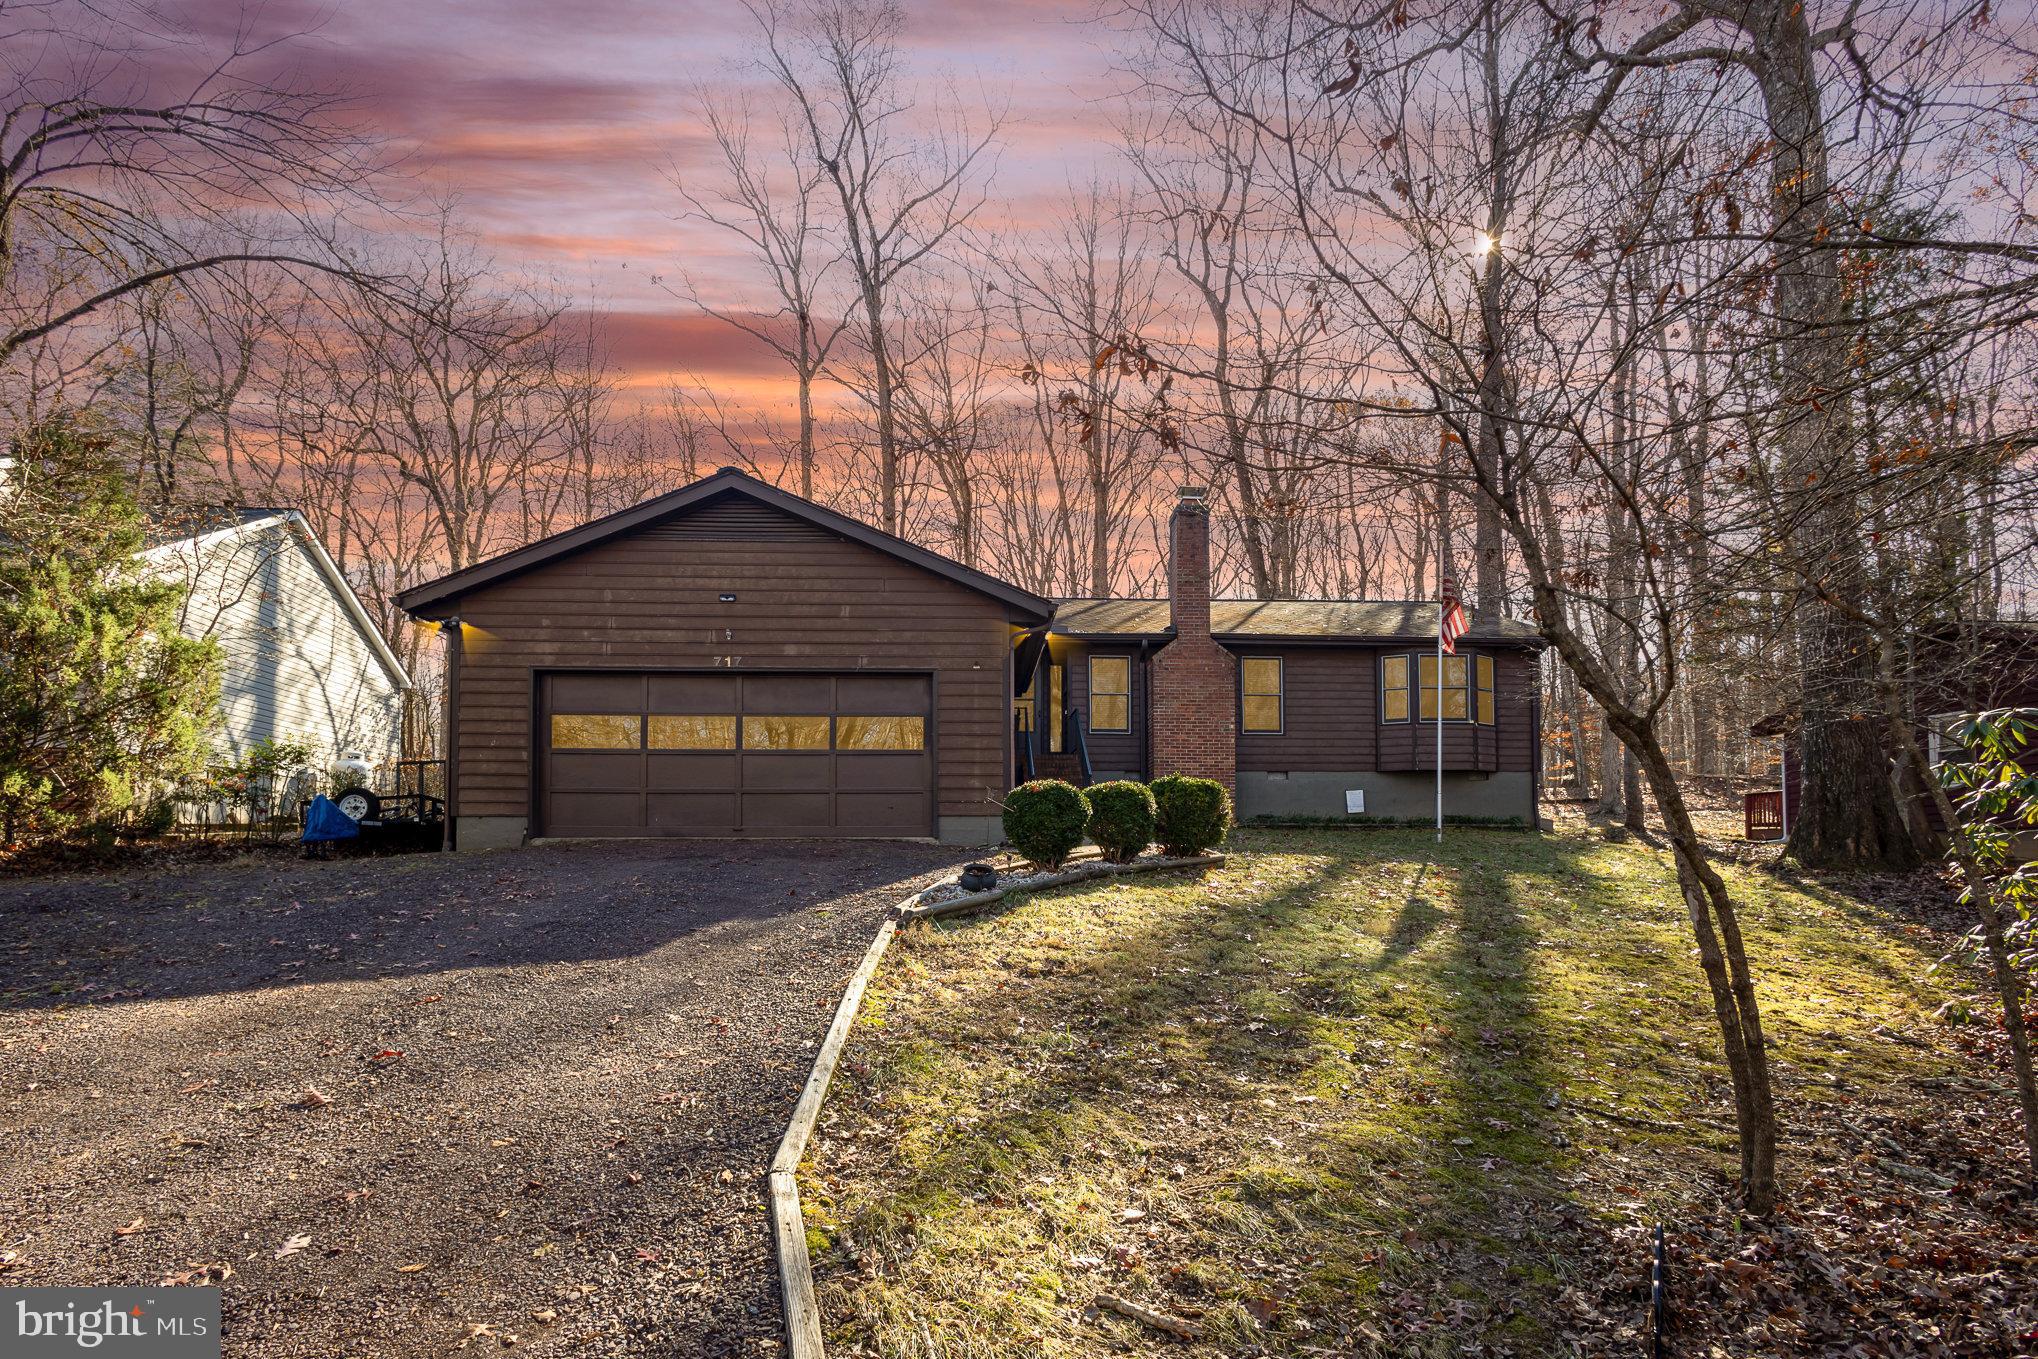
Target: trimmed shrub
[
  {"x": 1122, "y": 819},
  {"x": 1045, "y": 819},
  {"x": 1193, "y": 814}
]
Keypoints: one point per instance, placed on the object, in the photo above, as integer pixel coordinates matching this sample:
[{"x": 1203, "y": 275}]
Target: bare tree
[
  {"x": 901, "y": 195},
  {"x": 1098, "y": 404},
  {"x": 1263, "y": 361},
  {"x": 1378, "y": 137},
  {"x": 112, "y": 180},
  {"x": 769, "y": 199}
]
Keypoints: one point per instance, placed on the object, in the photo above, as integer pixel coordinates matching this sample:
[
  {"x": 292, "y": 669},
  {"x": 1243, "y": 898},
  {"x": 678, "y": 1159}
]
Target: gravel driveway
[{"x": 416, "y": 1104}]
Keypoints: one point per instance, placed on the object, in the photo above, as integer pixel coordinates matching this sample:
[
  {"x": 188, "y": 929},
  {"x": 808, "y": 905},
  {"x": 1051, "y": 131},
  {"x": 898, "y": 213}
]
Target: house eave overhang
[
  {"x": 1237, "y": 639},
  {"x": 439, "y": 599}
]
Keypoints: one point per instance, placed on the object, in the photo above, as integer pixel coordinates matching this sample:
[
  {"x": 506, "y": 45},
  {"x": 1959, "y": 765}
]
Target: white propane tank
[{"x": 352, "y": 771}]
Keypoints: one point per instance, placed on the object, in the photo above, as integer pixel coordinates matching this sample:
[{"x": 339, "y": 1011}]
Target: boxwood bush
[
  {"x": 1045, "y": 819},
  {"x": 1122, "y": 819},
  {"x": 1194, "y": 814}
]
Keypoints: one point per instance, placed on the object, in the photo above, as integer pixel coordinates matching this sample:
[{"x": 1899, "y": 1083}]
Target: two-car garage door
[{"x": 650, "y": 754}]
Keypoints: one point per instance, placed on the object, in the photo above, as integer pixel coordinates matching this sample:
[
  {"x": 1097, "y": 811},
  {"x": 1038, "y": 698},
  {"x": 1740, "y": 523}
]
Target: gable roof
[
  {"x": 438, "y": 597},
  {"x": 210, "y": 527},
  {"x": 183, "y": 523},
  {"x": 1295, "y": 620}
]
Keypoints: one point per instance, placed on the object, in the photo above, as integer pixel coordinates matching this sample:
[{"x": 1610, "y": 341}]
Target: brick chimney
[{"x": 1195, "y": 681}]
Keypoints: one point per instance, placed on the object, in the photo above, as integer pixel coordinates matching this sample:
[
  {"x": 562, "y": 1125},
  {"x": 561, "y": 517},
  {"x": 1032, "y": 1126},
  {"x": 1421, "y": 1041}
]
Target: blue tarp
[{"x": 325, "y": 821}]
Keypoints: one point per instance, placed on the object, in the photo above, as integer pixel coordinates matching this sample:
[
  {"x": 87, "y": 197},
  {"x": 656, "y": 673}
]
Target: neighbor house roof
[
  {"x": 1296, "y": 620},
  {"x": 436, "y": 598},
  {"x": 183, "y": 523}
]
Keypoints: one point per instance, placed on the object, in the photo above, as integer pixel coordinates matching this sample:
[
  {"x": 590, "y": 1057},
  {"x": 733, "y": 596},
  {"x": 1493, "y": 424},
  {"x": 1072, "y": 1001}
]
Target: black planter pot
[{"x": 977, "y": 878}]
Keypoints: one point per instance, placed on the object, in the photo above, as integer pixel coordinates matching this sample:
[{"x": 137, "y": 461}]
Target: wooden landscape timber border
[{"x": 788, "y": 1228}]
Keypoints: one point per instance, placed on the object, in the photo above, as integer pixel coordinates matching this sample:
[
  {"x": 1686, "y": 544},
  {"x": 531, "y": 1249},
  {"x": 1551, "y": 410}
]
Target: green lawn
[{"x": 1351, "y": 1092}]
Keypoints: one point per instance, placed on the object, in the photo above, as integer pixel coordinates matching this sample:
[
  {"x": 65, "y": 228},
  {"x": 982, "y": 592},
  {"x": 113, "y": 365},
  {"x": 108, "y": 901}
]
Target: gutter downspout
[{"x": 1145, "y": 715}]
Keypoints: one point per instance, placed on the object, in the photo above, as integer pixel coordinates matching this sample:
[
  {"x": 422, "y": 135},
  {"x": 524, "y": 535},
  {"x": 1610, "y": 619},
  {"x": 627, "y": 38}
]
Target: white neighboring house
[{"x": 300, "y": 659}]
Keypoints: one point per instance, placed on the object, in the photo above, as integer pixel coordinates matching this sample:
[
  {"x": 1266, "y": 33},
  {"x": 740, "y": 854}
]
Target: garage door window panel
[
  {"x": 789, "y": 732},
  {"x": 687, "y": 731},
  {"x": 597, "y": 731},
  {"x": 880, "y": 733}
]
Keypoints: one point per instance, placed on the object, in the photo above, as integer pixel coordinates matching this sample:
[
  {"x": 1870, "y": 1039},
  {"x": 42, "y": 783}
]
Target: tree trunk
[
  {"x": 1631, "y": 793},
  {"x": 1612, "y": 783},
  {"x": 1581, "y": 782},
  {"x": 805, "y": 369},
  {"x": 1847, "y": 817},
  {"x": 887, "y": 440},
  {"x": 1715, "y": 924}
]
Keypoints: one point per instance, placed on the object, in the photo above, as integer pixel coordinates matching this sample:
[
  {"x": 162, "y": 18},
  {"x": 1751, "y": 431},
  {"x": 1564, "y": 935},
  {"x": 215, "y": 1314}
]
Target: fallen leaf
[
  {"x": 292, "y": 1245},
  {"x": 409, "y": 1269},
  {"x": 130, "y": 1229},
  {"x": 313, "y": 1098},
  {"x": 387, "y": 1055},
  {"x": 197, "y": 1273}
]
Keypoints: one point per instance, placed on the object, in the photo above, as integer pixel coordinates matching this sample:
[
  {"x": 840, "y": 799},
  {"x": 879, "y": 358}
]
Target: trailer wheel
[{"x": 359, "y": 803}]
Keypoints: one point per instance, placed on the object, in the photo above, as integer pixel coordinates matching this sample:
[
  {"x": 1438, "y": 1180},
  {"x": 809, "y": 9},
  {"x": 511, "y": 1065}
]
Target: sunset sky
[{"x": 554, "y": 123}]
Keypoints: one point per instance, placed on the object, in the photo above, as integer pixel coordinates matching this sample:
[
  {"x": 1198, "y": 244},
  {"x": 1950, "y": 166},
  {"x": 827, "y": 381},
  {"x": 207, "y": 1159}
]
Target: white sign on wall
[{"x": 1355, "y": 801}]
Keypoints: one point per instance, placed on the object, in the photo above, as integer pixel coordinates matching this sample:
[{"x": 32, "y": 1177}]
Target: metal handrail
[{"x": 1072, "y": 720}]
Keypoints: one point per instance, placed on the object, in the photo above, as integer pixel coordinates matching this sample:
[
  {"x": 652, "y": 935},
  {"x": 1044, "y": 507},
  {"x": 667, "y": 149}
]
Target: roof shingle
[{"x": 1316, "y": 620}]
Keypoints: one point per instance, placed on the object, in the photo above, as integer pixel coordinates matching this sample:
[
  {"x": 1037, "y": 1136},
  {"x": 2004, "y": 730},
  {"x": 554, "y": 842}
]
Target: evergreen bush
[
  {"x": 1122, "y": 819},
  {"x": 1045, "y": 819},
  {"x": 1194, "y": 814}
]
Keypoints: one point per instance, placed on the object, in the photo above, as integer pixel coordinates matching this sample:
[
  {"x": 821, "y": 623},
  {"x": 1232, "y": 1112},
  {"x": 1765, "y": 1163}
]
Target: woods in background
[{"x": 1699, "y": 337}]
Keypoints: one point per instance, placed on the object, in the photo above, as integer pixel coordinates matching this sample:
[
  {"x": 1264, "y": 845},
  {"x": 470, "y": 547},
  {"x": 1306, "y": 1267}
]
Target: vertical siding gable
[{"x": 294, "y": 665}]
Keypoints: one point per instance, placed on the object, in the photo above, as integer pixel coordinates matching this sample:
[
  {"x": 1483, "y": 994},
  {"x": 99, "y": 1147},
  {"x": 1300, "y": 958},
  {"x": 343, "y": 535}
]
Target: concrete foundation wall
[
  {"x": 1394, "y": 795},
  {"x": 971, "y": 830},
  {"x": 489, "y": 832}
]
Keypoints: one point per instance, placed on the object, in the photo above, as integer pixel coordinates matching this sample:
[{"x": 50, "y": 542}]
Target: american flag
[{"x": 1454, "y": 624}]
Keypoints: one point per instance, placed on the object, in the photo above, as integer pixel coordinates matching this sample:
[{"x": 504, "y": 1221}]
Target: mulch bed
[{"x": 412, "y": 1106}]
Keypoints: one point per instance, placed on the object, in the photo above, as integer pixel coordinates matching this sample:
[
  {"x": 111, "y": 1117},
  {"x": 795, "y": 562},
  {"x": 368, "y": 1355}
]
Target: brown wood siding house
[
  {"x": 727, "y": 660},
  {"x": 1333, "y": 738},
  {"x": 731, "y": 660}
]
